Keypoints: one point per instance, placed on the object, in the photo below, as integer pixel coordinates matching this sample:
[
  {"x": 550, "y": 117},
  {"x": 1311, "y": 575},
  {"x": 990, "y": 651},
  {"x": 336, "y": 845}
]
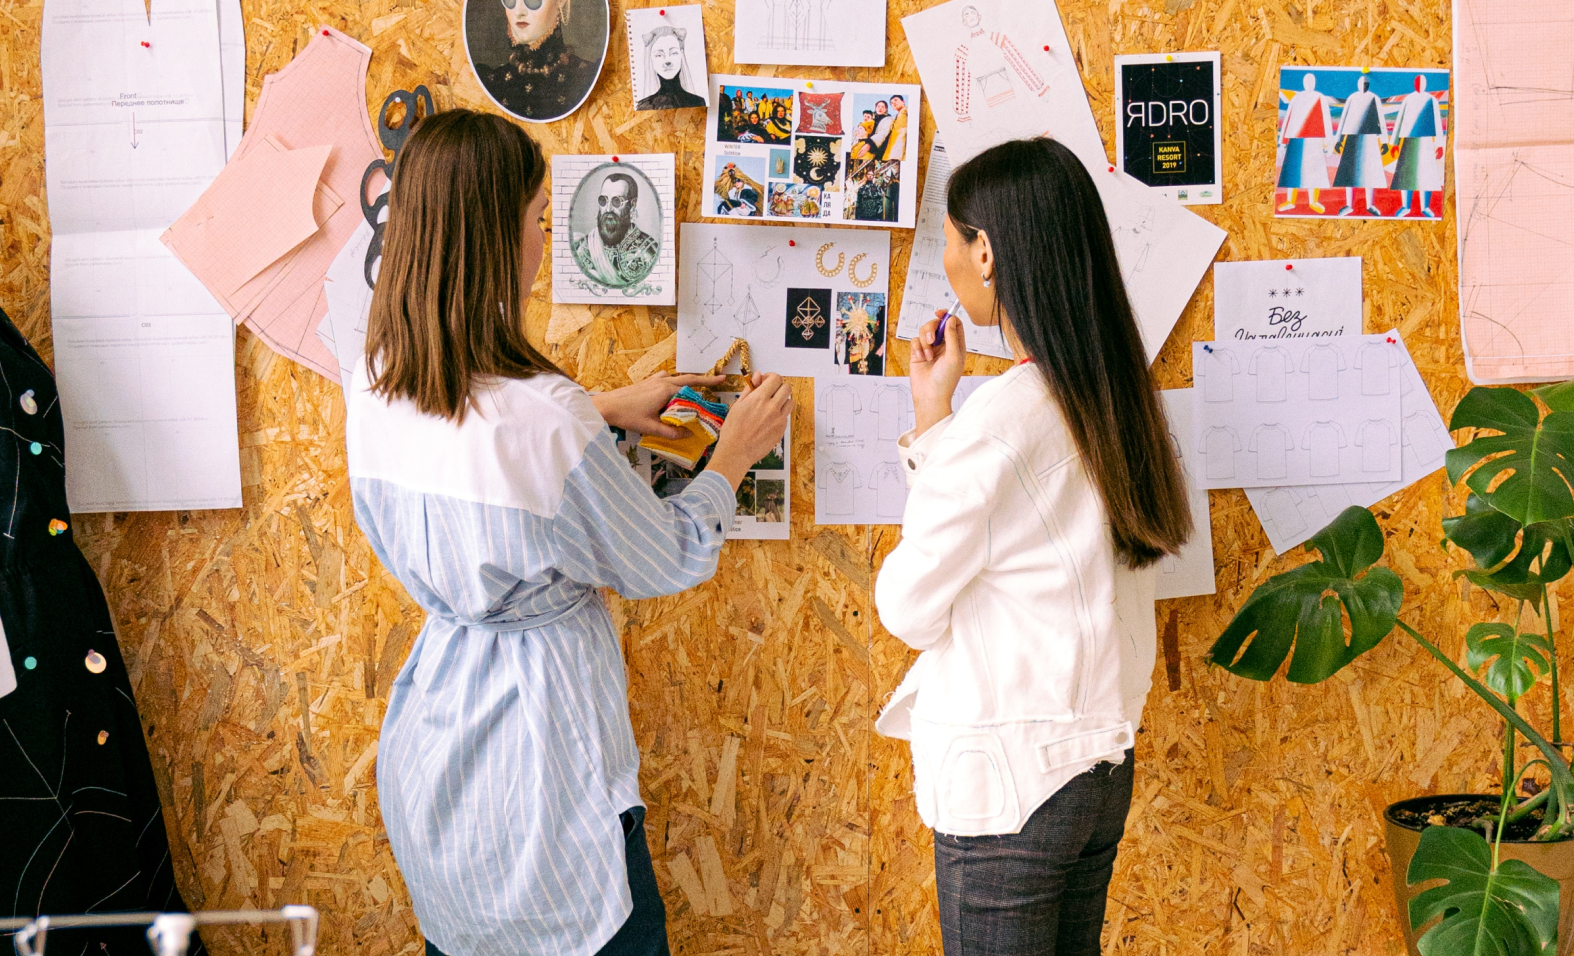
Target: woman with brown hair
[
  {"x": 1024, "y": 573},
  {"x": 489, "y": 484}
]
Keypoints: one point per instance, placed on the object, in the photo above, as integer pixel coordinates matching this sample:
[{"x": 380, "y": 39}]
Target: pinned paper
[
  {"x": 614, "y": 225},
  {"x": 667, "y": 57},
  {"x": 1191, "y": 571},
  {"x": 1286, "y": 299},
  {"x": 801, "y": 33}
]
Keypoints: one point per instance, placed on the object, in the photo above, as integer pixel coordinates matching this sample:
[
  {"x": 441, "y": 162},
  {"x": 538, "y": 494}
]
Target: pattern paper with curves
[
  {"x": 1514, "y": 169},
  {"x": 1297, "y": 423}
]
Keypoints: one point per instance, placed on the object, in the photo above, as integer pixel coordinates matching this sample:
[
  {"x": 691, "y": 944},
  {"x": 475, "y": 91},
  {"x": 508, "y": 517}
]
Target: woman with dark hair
[
  {"x": 489, "y": 484},
  {"x": 1024, "y": 571}
]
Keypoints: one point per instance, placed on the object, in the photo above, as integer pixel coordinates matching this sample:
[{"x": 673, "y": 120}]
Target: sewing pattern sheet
[
  {"x": 810, "y": 33},
  {"x": 1191, "y": 571},
  {"x": 1013, "y": 76},
  {"x": 858, "y": 474},
  {"x": 1292, "y": 514},
  {"x": 1291, "y": 412},
  {"x": 135, "y": 126},
  {"x": 1167, "y": 128},
  {"x": 1271, "y": 299},
  {"x": 613, "y": 219},
  {"x": 1514, "y": 163},
  {"x": 808, "y": 301},
  {"x": 343, "y": 330},
  {"x": 823, "y": 150},
  {"x": 764, "y": 498},
  {"x": 926, "y": 288}
]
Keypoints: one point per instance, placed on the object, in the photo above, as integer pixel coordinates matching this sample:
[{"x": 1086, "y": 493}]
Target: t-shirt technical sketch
[
  {"x": 1376, "y": 439},
  {"x": 1322, "y": 365},
  {"x": 1282, "y": 509},
  {"x": 1218, "y": 447},
  {"x": 893, "y": 405},
  {"x": 890, "y": 489},
  {"x": 841, "y": 406},
  {"x": 1219, "y": 368},
  {"x": 1271, "y": 442},
  {"x": 836, "y": 481},
  {"x": 1272, "y": 365},
  {"x": 1422, "y": 438},
  {"x": 1322, "y": 442},
  {"x": 1374, "y": 360}
]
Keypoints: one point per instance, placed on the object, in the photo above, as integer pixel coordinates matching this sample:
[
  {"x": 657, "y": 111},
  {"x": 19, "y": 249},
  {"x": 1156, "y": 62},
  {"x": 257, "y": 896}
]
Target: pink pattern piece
[{"x": 316, "y": 102}]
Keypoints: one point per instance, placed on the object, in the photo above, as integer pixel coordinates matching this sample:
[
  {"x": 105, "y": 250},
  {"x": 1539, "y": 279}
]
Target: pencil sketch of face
[
  {"x": 666, "y": 56},
  {"x": 971, "y": 18},
  {"x": 617, "y": 200}
]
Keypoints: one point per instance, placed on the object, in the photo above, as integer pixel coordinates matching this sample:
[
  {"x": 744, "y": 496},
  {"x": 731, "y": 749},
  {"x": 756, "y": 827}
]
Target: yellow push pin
[
  {"x": 103, "y": 737},
  {"x": 1366, "y": 69},
  {"x": 809, "y": 85},
  {"x": 1169, "y": 58},
  {"x": 94, "y": 662}
]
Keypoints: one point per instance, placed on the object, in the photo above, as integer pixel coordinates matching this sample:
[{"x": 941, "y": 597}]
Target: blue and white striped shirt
[{"x": 507, "y": 753}]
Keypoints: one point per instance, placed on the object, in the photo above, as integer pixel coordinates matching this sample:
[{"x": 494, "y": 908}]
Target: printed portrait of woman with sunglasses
[{"x": 539, "y": 59}]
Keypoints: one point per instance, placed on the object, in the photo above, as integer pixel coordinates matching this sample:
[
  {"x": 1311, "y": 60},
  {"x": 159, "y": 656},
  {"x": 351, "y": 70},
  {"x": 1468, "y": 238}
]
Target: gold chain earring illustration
[
  {"x": 852, "y": 268},
  {"x": 819, "y": 261}
]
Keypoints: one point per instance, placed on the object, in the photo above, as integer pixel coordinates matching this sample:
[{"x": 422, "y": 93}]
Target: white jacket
[{"x": 1038, "y": 648}]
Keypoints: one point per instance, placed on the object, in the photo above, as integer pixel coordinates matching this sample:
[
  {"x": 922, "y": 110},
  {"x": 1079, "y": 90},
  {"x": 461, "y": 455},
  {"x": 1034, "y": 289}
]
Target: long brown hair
[
  {"x": 1058, "y": 285},
  {"x": 449, "y": 301}
]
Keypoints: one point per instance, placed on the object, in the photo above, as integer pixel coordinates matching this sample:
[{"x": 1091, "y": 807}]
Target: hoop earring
[
  {"x": 852, "y": 266},
  {"x": 819, "y": 261}
]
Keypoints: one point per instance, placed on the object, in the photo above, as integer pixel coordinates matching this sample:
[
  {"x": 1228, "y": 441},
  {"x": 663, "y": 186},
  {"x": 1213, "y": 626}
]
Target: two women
[{"x": 489, "y": 484}]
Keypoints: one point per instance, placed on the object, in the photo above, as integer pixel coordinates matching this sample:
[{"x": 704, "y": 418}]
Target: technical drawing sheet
[
  {"x": 1514, "y": 181},
  {"x": 135, "y": 128},
  {"x": 1292, "y": 514},
  {"x": 927, "y": 288},
  {"x": 810, "y": 32},
  {"x": 1190, "y": 572},
  {"x": 1296, "y": 412},
  {"x": 858, "y": 473},
  {"x": 1013, "y": 76}
]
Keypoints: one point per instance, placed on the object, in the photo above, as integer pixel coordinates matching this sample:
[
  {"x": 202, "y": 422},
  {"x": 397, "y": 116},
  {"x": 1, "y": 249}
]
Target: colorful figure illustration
[
  {"x": 1361, "y": 141},
  {"x": 1420, "y": 164},
  {"x": 1307, "y": 126}
]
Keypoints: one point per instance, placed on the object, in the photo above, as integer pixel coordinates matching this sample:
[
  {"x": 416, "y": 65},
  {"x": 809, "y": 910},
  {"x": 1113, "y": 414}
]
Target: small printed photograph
[
  {"x": 770, "y": 499},
  {"x": 739, "y": 190},
  {"x": 807, "y": 324},
  {"x": 614, "y": 226},
  {"x": 667, "y": 478},
  {"x": 797, "y": 201},
  {"x": 667, "y": 57},
  {"x": 874, "y": 191},
  {"x": 773, "y": 460},
  {"x": 537, "y": 59},
  {"x": 817, "y": 160},
  {"x": 860, "y": 332},
  {"x": 820, "y": 113},
  {"x": 781, "y": 164},
  {"x": 754, "y": 115},
  {"x": 881, "y": 130},
  {"x": 746, "y": 495}
]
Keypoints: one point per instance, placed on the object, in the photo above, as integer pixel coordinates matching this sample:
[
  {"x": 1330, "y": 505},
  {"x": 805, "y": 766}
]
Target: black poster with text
[{"x": 1168, "y": 123}]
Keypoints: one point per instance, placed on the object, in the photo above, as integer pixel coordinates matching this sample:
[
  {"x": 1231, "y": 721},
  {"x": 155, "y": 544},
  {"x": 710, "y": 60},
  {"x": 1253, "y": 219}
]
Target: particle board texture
[{"x": 262, "y": 641}]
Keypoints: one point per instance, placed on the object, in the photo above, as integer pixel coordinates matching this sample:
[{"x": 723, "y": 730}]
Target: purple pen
[{"x": 940, "y": 329}]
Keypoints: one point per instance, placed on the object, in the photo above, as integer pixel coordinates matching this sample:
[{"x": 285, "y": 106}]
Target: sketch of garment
[
  {"x": 1376, "y": 439},
  {"x": 890, "y": 490},
  {"x": 1218, "y": 447},
  {"x": 985, "y": 63},
  {"x": 1374, "y": 360},
  {"x": 1271, "y": 443},
  {"x": 1272, "y": 365},
  {"x": 1282, "y": 510},
  {"x": 715, "y": 275},
  {"x": 1421, "y": 436},
  {"x": 1218, "y": 371},
  {"x": 836, "y": 481},
  {"x": 1322, "y": 365},
  {"x": 841, "y": 406},
  {"x": 797, "y": 25},
  {"x": 893, "y": 404},
  {"x": 1322, "y": 442}
]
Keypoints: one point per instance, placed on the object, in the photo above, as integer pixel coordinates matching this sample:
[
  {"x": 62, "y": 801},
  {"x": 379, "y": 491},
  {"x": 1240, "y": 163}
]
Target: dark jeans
[
  {"x": 1039, "y": 892},
  {"x": 644, "y": 933}
]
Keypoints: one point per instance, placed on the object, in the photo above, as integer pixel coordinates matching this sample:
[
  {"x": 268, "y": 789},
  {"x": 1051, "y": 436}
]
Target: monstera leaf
[
  {"x": 1305, "y": 608},
  {"x": 1507, "y": 561},
  {"x": 1527, "y": 469},
  {"x": 1508, "y": 911},
  {"x": 1517, "y": 659}
]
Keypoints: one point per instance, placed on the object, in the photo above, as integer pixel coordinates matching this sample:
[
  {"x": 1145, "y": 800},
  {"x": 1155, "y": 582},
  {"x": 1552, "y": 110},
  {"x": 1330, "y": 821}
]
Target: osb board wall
[{"x": 262, "y": 641}]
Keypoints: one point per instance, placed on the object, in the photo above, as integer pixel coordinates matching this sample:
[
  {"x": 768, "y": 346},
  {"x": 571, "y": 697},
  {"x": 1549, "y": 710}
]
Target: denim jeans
[
  {"x": 1040, "y": 892},
  {"x": 644, "y": 933}
]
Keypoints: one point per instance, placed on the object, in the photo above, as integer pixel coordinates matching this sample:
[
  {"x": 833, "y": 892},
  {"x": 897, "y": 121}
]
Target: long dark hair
[
  {"x": 448, "y": 306},
  {"x": 1059, "y": 290}
]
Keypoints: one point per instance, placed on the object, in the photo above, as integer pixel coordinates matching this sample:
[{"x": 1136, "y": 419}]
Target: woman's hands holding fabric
[
  {"x": 638, "y": 407},
  {"x": 934, "y": 368},
  {"x": 754, "y": 425}
]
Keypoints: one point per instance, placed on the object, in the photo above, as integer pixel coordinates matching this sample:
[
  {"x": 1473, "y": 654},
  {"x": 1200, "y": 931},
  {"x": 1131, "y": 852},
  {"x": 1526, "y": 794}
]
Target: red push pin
[
  {"x": 146, "y": 45},
  {"x": 1390, "y": 340},
  {"x": 1288, "y": 267},
  {"x": 1112, "y": 169},
  {"x": 1046, "y": 48},
  {"x": 792, "y": 242},
  {"x": 661, "y": 13},
  {"x": 325, "y": 32},
  {"x": 614, "y": 159}
]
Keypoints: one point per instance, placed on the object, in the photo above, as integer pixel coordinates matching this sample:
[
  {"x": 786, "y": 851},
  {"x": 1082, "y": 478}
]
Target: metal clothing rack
[{"x": 169, "y": 934}]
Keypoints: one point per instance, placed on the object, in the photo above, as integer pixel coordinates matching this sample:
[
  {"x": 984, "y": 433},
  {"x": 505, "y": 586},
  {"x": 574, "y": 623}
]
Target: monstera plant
[{"x": 1518, "y": 531}]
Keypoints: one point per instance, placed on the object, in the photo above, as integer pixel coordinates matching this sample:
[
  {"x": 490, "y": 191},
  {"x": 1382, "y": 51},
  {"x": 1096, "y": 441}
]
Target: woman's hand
[
  {"x": 934, "y": 368},
  {"x": 755, "y": 424},
  {"x": 638, "y": 407}
]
